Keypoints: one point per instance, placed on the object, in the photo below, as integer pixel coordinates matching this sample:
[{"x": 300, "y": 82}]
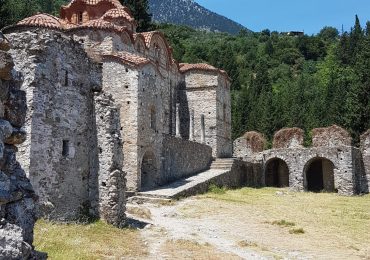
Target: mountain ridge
[{"x": 190, "y": 13}]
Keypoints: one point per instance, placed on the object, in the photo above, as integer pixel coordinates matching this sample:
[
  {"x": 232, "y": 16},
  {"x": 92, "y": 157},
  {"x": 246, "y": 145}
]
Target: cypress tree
[{"x": 140, "y": 11}]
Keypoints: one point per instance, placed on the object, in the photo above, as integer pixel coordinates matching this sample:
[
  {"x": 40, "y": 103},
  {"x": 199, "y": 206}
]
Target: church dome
[{"x": 42, "y": 20}]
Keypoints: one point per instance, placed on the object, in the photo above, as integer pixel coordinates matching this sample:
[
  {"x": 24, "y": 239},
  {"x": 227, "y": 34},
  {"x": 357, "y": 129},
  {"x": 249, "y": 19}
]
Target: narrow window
[
  {"x": 66, "y": 79},
  {"x": 65, "y": 151},
  {"x": 80, "y": 17},
  {"x": 224, "y": 112},
  {"x": 152, "y": 119}
]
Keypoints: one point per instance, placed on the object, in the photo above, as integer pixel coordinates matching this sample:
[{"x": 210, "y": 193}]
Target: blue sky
[{"x": 292, "y": 15}]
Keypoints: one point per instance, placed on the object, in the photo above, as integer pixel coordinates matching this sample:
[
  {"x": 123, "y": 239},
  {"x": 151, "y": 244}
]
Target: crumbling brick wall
[
  {"x": 248, "y": 144},
  {"x": 288, "y": 138},
  {"x": 17, "y": 198},
  {"x": 331, "y": 136}
]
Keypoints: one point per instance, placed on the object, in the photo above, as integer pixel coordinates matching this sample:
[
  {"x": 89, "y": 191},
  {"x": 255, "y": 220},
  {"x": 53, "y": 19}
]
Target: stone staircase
[{"x": 197, "y": 184}]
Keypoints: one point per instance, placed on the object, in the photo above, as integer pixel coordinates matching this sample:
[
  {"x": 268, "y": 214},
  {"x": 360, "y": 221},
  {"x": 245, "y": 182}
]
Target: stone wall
[
  {"x": 288, "y": 138},
  {"x": 331, "y": 136},
  {"x": 112, "y": 183},
  {"x": 124, "y": 88},
  {"x": 60, "y": 155},
  {"x": 17, "y": 198},
  {"x": 182, "y": 158},
  {"x": 207, "y": 93},
  {"x": 345, "y": 160},
  {"x": 248, "y": 144},
  {"x": 365, "y": 149}
]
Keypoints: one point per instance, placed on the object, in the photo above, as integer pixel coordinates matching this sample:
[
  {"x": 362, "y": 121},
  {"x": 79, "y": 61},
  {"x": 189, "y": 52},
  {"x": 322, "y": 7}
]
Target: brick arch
[
  {"x": 276, "y": 172},
  {"x": 319, "y": 174}
]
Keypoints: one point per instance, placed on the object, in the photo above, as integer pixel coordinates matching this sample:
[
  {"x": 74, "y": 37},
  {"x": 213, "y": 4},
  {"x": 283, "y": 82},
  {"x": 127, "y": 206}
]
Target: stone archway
[
  {"x": 149, "y": 171},
  {"x": 276, "y": 173},
  {"x": 319, "y": 175}
]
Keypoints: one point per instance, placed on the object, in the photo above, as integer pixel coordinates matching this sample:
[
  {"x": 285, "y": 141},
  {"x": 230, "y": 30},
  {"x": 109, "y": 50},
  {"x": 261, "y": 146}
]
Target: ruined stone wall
[
  {"x": 331, "y": 136},
  {"x": 288, "y": 138},
  {"x": 346, "y": 168},
  {"x": 17, "y": 198},
  {"x": 60, "y": 155},
  {"x": 183, "y": 158},
  {"x": 124, "y": 88},
  {"x": 248, "y": 144},
  {"x": 223, "y": 106},
  {"x": 199, "y": 94},
  {"x": 365, "y": 149},
  {"x": 112, "y": 183}
]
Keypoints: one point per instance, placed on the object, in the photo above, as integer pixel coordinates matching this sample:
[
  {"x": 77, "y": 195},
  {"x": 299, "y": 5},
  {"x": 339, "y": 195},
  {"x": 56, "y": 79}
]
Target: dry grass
[
  {"x": 91, "y": 241},
  {"x": 328, "y": 225},
  {"x": 188, "y": 249}
]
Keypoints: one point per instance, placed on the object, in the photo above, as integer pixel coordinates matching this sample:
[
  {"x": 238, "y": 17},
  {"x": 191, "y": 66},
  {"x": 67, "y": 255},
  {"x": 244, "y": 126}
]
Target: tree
[
  {"x": 329, "y": 34},
  {"x": 140, "y": 11}
]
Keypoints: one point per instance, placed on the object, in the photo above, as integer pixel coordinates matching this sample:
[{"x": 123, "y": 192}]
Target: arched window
[
  {"x": 153, "y": 119},
  {"x": 80, "y": 18}
]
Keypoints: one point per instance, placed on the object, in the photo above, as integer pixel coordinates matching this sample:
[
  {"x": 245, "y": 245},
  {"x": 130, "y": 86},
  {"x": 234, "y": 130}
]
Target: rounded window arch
[
  {"x": 319, "y": 175},
  {"x": 276, "y": 173}
]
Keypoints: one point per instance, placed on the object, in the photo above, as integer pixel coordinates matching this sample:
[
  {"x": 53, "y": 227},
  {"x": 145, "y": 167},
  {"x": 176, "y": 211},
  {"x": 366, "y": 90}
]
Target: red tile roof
[
  {"x": 128, "y": 58},
  {"x": 119, "y": 13},
  {"x": 185, "y": 67},
  {"x": 116, "y": 3},
  {"x": 43, "y": 20}
]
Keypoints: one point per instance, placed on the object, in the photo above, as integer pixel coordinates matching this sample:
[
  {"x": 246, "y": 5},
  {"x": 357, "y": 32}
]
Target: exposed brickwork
[
  {"x": 331, "y": 136},
  {"x": 288, "y": 138}
]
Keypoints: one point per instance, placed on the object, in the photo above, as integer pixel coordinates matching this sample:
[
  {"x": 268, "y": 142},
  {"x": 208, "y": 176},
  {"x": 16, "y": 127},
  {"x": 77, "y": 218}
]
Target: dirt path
[
  {"x": 168, "y": 225},
  {"x": 204, "y": 228}
]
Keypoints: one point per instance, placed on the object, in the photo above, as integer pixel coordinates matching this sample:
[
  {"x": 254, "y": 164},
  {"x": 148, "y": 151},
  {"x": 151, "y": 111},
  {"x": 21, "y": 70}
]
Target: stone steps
[{"x": 186, "y": 187}]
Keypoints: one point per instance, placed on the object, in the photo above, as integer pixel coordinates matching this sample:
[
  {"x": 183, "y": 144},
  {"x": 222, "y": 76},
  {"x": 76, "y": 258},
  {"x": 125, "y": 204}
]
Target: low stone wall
[
  {"x": 365, "y": 149},
  {"x": 17, "y": 198},
  {"x": 182, "y": 158},
  {"x": 346, "y": 161}
]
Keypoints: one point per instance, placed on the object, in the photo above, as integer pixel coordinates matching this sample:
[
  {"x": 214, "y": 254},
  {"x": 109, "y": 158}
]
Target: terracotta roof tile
[
  {"x": 43, "y": 20},
  {"x": 119, "y": 13},
  {"x": 128, "y": 58},
  {"x": 116, "y": 3},
  {"x": 185, "y": 67}
]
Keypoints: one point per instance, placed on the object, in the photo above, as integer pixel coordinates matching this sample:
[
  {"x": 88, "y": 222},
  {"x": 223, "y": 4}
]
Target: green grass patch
[
  {"x": 216, "y": 189},
  {"x": 96, "y": 240},
  {"x": 297, "y": 231},
  {"x": 283, "y": 223}
]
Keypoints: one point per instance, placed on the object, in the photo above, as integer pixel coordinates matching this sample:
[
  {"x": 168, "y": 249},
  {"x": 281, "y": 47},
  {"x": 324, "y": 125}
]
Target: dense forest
[{"x": 278, "y": 80}]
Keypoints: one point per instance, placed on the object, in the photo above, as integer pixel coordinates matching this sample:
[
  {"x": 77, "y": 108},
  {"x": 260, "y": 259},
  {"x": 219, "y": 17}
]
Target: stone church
[{"x": 110, "y": 108}]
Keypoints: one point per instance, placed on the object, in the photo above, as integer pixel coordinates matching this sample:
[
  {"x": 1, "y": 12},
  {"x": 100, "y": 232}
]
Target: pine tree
[{"x": 140, "y": 11}]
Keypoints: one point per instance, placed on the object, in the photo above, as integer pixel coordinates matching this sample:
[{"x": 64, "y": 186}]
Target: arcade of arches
[
  {"x": 319, "y": 174},
  {"x": 276, "y": 173}
]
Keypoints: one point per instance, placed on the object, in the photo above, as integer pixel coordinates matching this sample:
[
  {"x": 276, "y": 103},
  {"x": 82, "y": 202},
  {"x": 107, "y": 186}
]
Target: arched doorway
[
  {"x": 276, "y": 173},
  {"x": 148, "y": 171},
  {"x": 319, "y": 174}
]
